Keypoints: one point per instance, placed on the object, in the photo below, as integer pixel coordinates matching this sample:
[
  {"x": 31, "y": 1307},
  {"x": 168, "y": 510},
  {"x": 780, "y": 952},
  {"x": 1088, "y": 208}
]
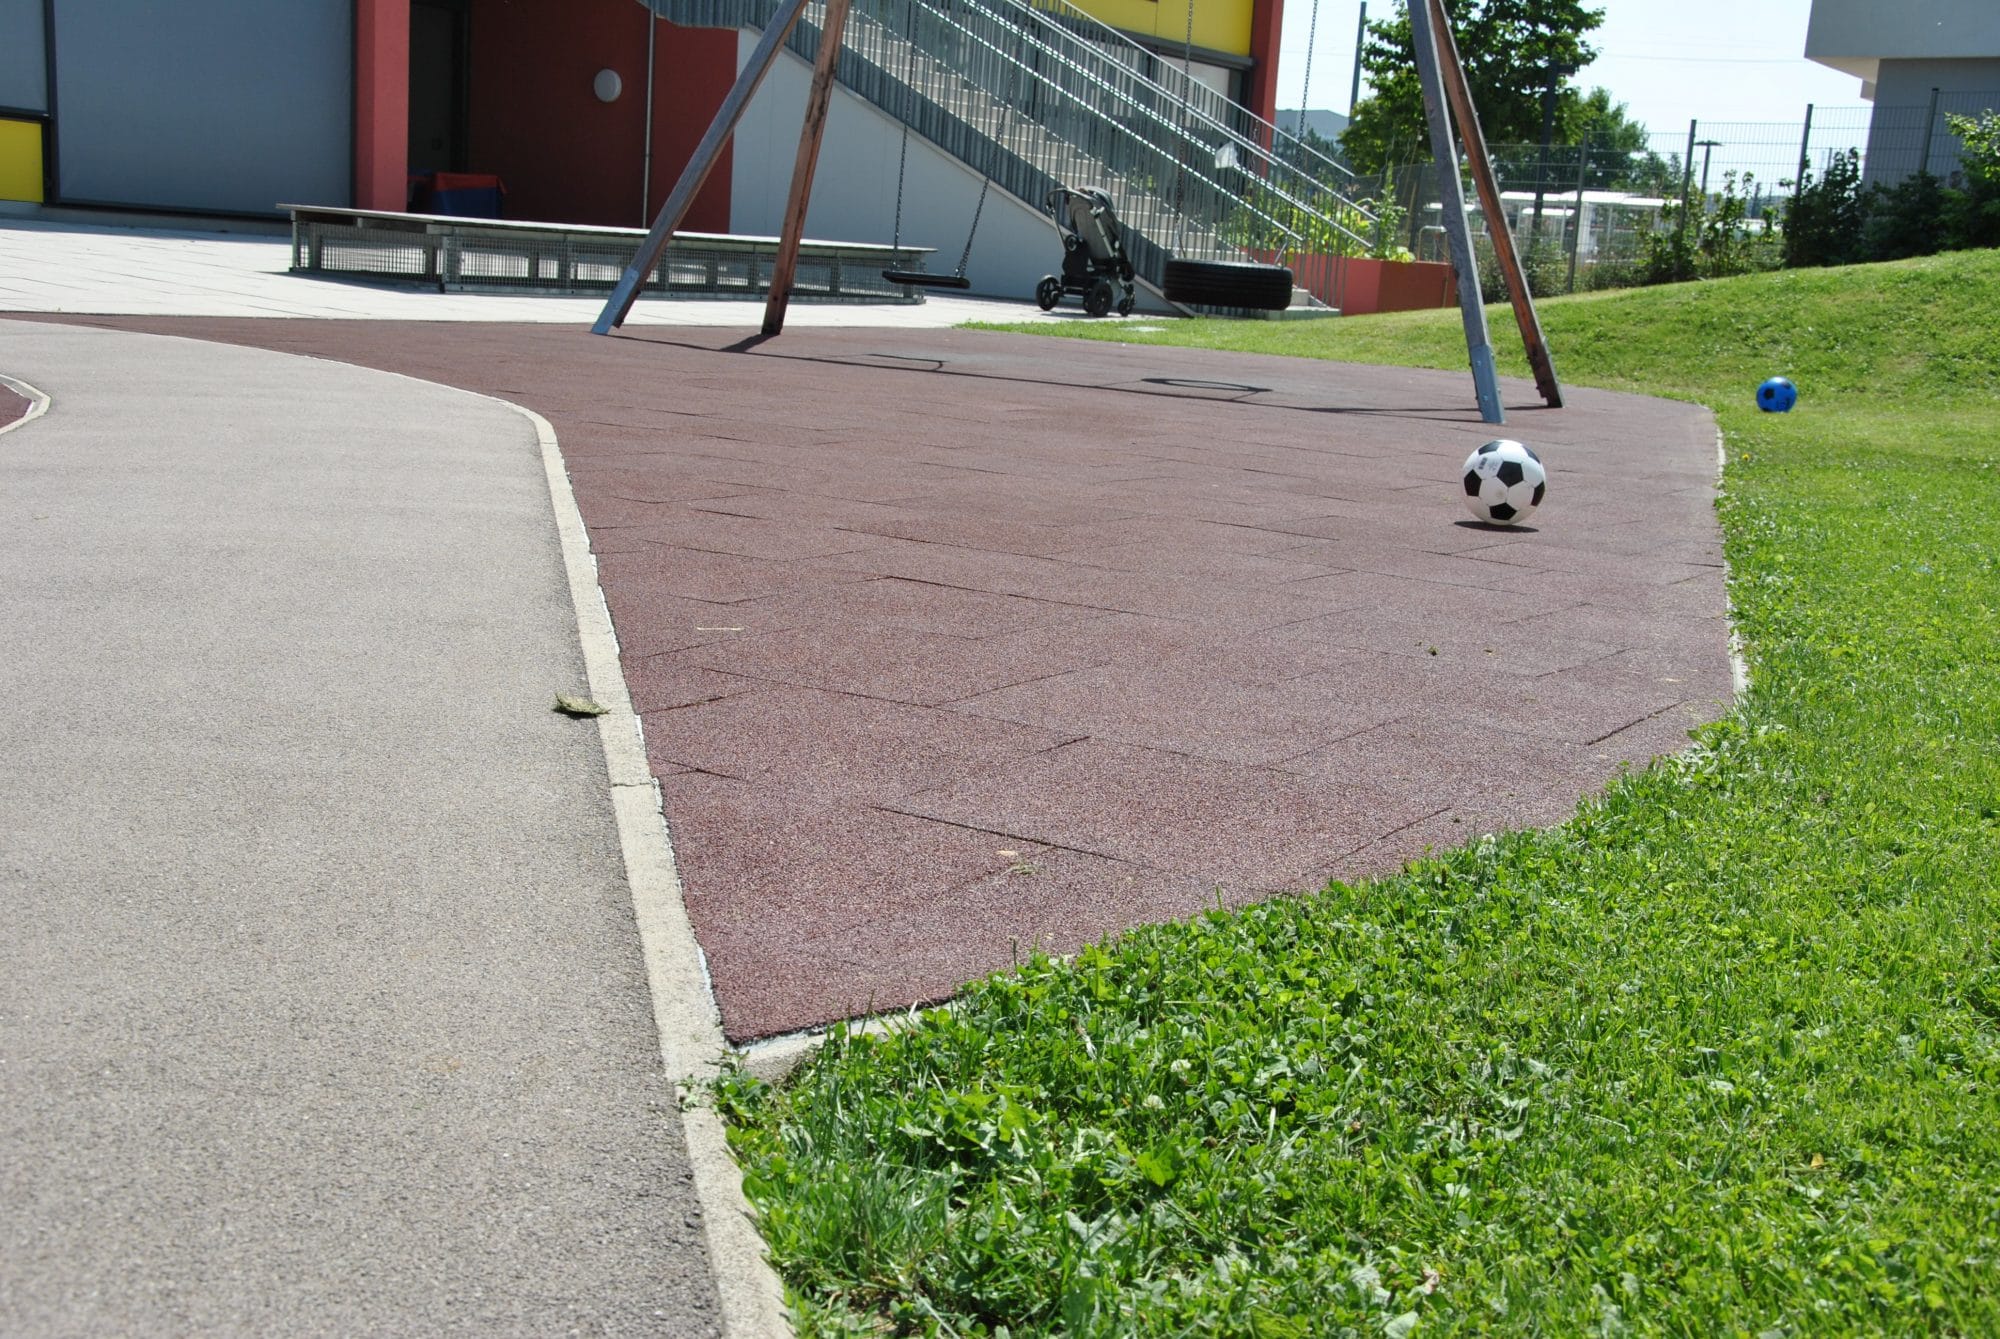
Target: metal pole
[
  {"x": 1708, "y": 146},
  {"x": 1360, "y": 38},
  {"x": 1576, "y": 236},
  {"x": 646, "y": 169},
  {"x": 1458, "y": 98},
  {"x": 1805, "y": 154},
  {"x": 1542, "y": 159},
  {"x": 706, "y": 155},
  {"x": 1930, "y": 119},
  {"x": 1687, "y": 177},
  {"x": 1451, "y": 191}
]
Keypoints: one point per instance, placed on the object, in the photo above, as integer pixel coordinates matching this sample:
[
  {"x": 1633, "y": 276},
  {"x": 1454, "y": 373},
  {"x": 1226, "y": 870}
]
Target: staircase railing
[
  {"x": 1022, "y": 99},
  {"x": 1179, "y": 82}
]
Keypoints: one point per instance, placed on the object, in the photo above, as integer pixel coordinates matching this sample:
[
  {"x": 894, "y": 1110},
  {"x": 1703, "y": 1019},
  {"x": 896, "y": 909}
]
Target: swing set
[
  {"x": 924, "y": 278},
  {"x": 1446, "y": 96}
]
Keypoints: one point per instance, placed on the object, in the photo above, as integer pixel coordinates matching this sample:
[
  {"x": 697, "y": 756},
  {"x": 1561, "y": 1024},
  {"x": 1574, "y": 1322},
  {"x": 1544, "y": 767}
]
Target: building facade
[
  {"x": 586, "y": 110},
  {"x": 1916, "y": 59}
]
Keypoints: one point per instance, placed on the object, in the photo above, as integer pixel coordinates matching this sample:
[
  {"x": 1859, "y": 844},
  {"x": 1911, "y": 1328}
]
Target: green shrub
[
  {"x": 1712, "y": 237},
  {"x": 1823, "y": 226},
  {"x": 1906, "y": 219},
  {"x": 1972, "y": 215},
  {"x": 1544, "y": 261}
]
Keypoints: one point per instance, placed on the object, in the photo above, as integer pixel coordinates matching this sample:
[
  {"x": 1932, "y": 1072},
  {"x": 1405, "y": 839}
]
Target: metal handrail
[
  {"x": 1181, "y": 84},
  {"x": 1253, "y": 139}
]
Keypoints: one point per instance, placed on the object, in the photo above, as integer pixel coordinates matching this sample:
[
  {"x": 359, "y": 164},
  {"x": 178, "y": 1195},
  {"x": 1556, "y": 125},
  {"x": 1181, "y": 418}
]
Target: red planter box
[{"x": 1359, "y": 286}]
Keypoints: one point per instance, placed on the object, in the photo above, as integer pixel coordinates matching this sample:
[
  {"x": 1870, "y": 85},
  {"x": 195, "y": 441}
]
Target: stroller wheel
[
  {"x": 1099, "y": 299},
  {"x": 1125, "y": 305},
  {"x": 1048, "y": 292}
]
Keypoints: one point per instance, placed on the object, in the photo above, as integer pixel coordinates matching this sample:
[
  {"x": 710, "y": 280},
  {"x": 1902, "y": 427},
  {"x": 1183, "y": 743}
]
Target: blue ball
[{"x": 1777, "y": 396}]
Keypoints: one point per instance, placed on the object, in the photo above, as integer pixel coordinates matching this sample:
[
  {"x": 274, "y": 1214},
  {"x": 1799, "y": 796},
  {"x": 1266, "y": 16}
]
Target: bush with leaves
[
  {"x": 1824, "y": 223},
  {"x": 1711, "y": 237},
  {"x": 1371, "y": 228},
  {"x": 1544, "y": 262},
  {"x": 1906, "y": 219},
  {"x": 1972, "y": 215}
]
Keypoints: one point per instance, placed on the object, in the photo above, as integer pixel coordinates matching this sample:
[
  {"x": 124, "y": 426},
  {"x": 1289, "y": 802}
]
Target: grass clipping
[{"x": 1721, "y": 1055}]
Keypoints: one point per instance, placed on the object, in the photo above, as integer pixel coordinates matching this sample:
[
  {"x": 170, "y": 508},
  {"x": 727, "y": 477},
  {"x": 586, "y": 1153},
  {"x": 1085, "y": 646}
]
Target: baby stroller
[{"x": 1094, "y": 262}]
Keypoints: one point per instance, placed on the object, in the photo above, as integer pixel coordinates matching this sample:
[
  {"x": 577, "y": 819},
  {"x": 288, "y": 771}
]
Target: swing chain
[
  {"x": 909, "y": 110},
  {"x": 896, "y": 243},
  {"x": 903, "y": 156},
  {"x": 978, "y": 209},
  {"x": 1312, "y": 34}
]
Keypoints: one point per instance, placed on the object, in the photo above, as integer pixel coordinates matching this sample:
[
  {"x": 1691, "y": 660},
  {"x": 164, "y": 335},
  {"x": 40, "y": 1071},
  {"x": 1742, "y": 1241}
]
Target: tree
[
  {"x": 1511, "y": 48},
  {"x": 1621, "y": 158},
  {"x": 1606, "y": 124}
]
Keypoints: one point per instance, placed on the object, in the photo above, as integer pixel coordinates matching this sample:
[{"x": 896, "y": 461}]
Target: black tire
[
  {"x": 1098, "y": 300},
  {"x": 1224, "y": 283},
  {"x": 1125, "y": 304},
  {"x": 1048, "y": 292}
]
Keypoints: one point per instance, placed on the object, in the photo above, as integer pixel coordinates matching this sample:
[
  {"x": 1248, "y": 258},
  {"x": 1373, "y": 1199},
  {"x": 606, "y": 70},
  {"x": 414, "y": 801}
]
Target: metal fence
[{"x": 1581, "y": 213}]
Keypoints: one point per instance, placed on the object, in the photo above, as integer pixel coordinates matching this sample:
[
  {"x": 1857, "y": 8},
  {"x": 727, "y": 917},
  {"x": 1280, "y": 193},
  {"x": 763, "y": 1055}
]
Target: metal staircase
[{"x": 1033, "y": 94}]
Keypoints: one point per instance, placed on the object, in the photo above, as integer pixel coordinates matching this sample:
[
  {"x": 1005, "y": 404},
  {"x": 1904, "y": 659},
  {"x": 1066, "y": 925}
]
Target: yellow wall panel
[
  {"x": 1219, "y": 25},
  {"x": 21, "y": 160}
]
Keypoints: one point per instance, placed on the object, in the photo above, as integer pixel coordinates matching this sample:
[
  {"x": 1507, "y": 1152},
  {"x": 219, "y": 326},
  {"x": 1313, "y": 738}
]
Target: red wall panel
[
  {"x": 568, "y": 158},
  {"x": 381, "y": 102},
  {"x": 1267, "y": 24}
]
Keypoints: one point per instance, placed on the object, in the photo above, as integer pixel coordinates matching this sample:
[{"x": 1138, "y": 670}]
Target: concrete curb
[
  {"x": 38, "y": 403},
  {"x": 1739, "y": 668},
  {"x": 690, "y": 1028}
]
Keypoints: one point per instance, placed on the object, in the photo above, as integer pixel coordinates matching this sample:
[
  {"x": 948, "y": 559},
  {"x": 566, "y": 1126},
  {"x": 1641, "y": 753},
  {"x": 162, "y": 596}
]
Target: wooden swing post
[
  {"x": 1442, "y": 75},
  {"x": 1457, "y": 231},
  {"x": 1459, "y": 94},
  {"x": 706, "y": 155},
  {"x": 818, "y": 102}
]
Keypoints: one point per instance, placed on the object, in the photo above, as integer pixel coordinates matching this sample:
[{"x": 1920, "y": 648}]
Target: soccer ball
[
  {"x": 1504, "y": 481},
  {"x": 1777, "y": 396}
]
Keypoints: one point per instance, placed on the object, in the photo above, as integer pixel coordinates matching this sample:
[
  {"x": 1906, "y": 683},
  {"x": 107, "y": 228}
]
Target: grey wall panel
[
  {"x": 23, "y": 58},
  {"x": 226, "y": 105}
]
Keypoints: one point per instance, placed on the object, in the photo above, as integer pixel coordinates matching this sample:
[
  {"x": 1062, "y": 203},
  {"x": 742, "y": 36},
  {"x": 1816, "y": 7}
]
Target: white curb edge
[
  {"x": 38, "y": 403},
  {"x": 1739, "y": 669},
  {"x": 690, "y": 1029}
]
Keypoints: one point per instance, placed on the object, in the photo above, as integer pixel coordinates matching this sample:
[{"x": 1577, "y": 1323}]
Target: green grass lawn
[{"x": 1721, "y": 1055}]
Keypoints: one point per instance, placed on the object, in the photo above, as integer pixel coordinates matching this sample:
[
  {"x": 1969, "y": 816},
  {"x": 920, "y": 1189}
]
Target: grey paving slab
[
  {"x": 106, "y": 269},
  {"x": 322, "y": 1009}
]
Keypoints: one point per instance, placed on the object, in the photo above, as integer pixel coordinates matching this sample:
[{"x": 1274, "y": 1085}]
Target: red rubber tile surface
[
  {"x": 12, "y": 406},
  {"x": 952, "y": 644}
]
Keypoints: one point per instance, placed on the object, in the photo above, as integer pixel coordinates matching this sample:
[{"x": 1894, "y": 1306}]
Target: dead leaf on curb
[{"x": 578, "y": 706}]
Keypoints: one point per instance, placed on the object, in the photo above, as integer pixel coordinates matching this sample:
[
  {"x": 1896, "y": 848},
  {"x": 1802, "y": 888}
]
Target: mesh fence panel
[
  {"x": 551, "y": 260},
  {"x": 1574, "y": 210}
]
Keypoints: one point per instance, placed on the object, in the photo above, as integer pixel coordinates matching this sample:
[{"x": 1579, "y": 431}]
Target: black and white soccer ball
[{"x": 1504, "y": 482}]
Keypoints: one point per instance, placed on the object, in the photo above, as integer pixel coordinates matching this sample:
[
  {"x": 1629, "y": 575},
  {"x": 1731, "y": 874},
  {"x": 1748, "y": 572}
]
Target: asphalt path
[{"x": 321, "y": 1005}]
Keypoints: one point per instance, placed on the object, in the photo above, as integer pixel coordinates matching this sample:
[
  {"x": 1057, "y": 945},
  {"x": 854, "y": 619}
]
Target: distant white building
[
  {"x": 1613, "y": 222},
  {"x": 1903, "y": 53},
  {"x": 1329, "y": 126}
]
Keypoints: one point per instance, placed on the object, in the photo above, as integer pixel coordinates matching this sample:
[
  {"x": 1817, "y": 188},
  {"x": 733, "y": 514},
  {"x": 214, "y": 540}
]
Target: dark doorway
[{"x": 439, "y": 47}]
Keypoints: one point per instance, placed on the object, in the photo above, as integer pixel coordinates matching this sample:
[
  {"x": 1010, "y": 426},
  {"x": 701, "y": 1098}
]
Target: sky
[{"x": 1667, "y": 60}]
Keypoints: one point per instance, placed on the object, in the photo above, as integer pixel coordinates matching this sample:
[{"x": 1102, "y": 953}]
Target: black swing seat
[{"x": 925, "y": 279}]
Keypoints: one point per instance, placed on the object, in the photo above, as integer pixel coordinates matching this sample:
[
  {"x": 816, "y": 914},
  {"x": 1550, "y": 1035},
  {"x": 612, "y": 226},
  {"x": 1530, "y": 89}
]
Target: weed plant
[{"x": 1718, "y": 1056}]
